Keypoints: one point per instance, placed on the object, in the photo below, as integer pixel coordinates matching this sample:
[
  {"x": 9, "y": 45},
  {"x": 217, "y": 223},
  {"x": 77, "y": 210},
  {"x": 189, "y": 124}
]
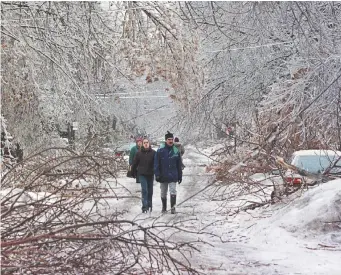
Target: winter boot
[
  {"x": 173, "y": 202},
  {"x": 164, "y": 205}
]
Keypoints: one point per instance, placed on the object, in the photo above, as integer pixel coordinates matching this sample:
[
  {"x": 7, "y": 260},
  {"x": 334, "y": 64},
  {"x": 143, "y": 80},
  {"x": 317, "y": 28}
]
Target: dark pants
[{"x": 147, "y": 191}]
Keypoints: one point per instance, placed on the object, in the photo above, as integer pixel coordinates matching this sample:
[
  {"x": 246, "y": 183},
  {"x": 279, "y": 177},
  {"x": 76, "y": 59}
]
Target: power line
[
  {"x": 146, "y": 113},
  {"x": 157, "y": 96},
  {"x": 127, "y": 93},
  {"x": 251, "y": 47}
]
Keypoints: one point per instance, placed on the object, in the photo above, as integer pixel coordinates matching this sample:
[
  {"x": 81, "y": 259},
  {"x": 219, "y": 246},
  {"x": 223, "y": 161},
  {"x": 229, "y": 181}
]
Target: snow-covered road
[{"x": 258, "y": 242}]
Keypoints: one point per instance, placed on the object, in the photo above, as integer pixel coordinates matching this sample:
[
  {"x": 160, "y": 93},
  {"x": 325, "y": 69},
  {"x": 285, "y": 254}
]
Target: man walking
[{"x": 167, "y": 169}]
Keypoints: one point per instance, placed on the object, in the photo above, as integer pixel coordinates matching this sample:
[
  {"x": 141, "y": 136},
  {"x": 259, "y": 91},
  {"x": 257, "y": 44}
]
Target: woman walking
[{"x": 144, "y": 163}]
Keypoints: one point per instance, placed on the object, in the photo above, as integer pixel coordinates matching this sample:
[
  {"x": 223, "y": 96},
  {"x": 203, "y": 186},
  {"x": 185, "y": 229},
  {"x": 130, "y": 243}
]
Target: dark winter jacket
[
  {"x": 167, "y": 164},
  {"x": 144, "y": 161}
]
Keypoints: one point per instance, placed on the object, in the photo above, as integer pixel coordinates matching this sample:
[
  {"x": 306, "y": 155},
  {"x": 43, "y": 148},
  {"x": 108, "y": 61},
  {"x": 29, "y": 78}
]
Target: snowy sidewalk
[{"x": 256, "y": 244}]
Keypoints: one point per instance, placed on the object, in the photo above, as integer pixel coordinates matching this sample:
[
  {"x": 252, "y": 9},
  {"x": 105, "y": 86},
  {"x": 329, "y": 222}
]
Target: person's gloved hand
[
  {"x": 157, "y": 178},
  {"x": 179, "y": 181}
]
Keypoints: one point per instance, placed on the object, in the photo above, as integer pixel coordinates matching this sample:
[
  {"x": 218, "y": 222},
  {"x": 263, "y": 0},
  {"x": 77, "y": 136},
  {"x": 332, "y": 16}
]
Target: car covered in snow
[
  {"x": 124, "y": 149},
  {"x": 118, "y": 150},
  {"x": 313, "y": 161},
  {"x": 307, "y": 167}
]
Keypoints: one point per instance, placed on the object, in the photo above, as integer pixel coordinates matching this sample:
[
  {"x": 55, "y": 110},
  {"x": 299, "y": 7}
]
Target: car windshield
[{"x": 313, "y": 163}]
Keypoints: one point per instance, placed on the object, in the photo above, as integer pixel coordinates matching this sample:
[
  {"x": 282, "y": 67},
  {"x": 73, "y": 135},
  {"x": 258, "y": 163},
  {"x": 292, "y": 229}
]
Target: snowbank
[
  {"x": 314, "y": 216},
  {"x": 317, "y": 214},
  {"x": 301, "y": 237}
]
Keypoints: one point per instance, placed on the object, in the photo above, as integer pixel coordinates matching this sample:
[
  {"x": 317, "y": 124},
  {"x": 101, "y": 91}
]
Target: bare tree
[
  {"x": 55, "y": 222},
  {"x": 73, "y": 55},
  {"x": 265, "y": 64}
]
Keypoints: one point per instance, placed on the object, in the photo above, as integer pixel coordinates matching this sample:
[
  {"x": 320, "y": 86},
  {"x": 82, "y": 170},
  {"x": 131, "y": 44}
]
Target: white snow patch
[
  {"x": 20, "y": 196},
  {"x": 303, "y": 236},
  {"x": 315, "y": 214}
]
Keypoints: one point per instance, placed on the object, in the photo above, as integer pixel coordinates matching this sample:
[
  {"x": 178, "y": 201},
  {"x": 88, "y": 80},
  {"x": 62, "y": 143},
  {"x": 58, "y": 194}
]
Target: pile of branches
[
  {"x": 247, "y": 177},
  {"x": 46, "y": 229}
]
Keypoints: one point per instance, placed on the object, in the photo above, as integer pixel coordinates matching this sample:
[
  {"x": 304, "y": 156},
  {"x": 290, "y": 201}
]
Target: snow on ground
[
  {"x": 291, "y": 238},
  {"x": 21, "y": 197},
  {"x": 301, "y": 236}
]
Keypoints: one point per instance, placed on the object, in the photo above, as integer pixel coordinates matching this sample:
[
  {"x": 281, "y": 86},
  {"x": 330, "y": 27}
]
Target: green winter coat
[{"x": 132, "y": 154}]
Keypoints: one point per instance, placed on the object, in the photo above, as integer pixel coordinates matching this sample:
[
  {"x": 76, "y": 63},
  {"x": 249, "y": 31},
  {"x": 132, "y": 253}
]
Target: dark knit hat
[
  {"x": 176, "y": 139},
  {"x": 169, "y": 135}
]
